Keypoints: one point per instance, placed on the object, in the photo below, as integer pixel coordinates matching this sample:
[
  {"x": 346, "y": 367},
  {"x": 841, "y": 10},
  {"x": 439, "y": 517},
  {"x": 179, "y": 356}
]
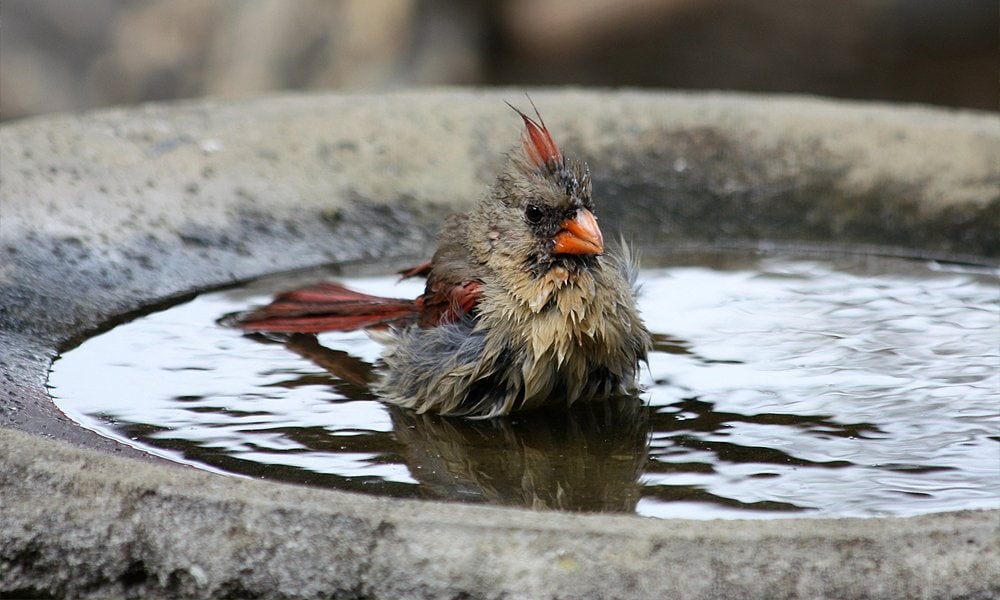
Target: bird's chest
[
  {"x": 560, "y": 315},
  {"x": 571, "y": 345},
  {"x": 562, "y": 351},
  {"x": 561, "y": 333},
  {"x": 557, "y": 314}
]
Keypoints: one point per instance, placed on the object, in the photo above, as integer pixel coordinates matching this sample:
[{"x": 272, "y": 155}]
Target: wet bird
[{"x": 522, "y": 307}]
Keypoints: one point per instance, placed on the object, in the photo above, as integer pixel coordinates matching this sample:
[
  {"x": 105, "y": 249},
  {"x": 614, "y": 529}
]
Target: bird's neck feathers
[{"x": 564, "y": 289}]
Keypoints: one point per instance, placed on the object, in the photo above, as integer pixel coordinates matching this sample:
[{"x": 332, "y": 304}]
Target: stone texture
[{"x": 176, "y": 532}]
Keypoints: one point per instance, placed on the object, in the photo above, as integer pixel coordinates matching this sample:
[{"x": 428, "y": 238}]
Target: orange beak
[{"x": 579, "y": 235}]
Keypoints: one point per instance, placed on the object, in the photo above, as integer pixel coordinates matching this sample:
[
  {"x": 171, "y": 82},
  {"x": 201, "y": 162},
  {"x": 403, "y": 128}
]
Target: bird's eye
[{"x": 533, "y": 214}]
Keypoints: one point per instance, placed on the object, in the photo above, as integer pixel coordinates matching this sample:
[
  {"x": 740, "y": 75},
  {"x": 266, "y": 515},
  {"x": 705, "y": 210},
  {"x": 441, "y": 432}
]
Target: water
[{"x": 779, "y": 387}]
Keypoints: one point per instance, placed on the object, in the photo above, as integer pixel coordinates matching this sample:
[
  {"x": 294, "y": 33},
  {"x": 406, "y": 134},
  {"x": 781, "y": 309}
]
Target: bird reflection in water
[{"x": 585, "y": 458}]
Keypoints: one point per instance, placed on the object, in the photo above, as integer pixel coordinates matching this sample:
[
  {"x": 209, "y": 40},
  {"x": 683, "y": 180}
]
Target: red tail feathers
[{"x": 326, "y": 307}]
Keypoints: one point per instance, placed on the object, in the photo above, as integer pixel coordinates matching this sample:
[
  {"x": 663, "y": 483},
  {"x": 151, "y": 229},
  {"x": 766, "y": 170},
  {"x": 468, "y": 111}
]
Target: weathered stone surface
[
  {"x": 106, "y": 215},
  {"x": 82, "y": 524}
]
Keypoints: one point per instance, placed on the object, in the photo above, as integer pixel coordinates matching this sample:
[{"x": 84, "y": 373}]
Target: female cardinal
[{"x": 522, "y": 308}]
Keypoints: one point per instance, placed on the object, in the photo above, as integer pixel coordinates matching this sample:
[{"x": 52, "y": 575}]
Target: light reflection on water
[{"x": 779, "y": 387}]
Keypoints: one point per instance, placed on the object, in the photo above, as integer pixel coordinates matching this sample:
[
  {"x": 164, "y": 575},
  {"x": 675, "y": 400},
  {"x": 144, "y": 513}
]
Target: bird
[{"x": 522, "y": 309}]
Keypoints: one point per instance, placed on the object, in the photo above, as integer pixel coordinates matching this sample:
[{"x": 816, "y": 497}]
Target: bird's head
[{"x": 540, "y": 212}]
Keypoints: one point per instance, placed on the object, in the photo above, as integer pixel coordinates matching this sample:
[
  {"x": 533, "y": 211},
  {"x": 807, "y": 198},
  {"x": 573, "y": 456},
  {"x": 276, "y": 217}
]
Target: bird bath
[{"x": 112, "y": 215}]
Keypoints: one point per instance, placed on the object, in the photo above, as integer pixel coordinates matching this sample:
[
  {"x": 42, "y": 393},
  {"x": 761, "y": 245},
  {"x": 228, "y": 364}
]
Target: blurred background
[{"x": 59, "y": 55}]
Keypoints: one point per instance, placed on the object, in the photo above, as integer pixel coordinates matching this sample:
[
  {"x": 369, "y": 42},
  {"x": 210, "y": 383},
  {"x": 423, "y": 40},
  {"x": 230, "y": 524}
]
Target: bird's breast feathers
[{"x": 561, "y": 316}]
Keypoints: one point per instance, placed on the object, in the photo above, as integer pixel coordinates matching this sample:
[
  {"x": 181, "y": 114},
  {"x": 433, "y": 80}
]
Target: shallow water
[{"x": 779, "y": 387}]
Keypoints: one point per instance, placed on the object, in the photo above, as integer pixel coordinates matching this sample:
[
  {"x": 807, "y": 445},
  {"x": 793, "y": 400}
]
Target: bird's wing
[
  {"x": 421, "y": 270},
  {"x": 326, "y": 306},
  {"x": 453, "y": 282},
  {"x": 447, "y": 301},
  {"x": 452, "y": 291}
]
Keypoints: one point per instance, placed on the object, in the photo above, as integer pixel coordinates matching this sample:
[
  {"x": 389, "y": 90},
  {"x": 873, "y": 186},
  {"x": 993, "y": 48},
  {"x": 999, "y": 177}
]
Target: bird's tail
[{"x": 324, "y": 307}]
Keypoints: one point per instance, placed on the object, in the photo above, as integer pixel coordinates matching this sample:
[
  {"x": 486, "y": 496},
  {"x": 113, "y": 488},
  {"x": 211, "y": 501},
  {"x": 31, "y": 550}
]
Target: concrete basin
[{"x": 106, "y": 215}]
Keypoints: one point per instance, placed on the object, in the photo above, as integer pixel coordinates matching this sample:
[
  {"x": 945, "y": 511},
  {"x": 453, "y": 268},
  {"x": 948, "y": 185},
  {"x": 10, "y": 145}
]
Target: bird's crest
[{"x": 537, "y": 142}]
